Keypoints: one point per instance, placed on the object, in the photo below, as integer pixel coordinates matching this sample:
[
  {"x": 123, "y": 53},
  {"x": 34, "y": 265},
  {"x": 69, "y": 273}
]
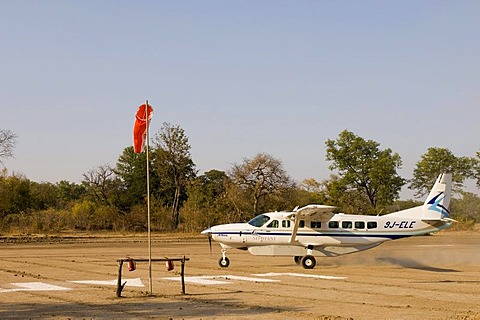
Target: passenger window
[
  {"x": 359, "y": 225},
  {"x": 333, "y": 224},
  {"x": 285, "y": 223},
  {"x": 347, "y": 224},
  {"x": 273, "y": 224},
  {"x": 371, "y": 225},
  {"x": 315, "y": 224}
]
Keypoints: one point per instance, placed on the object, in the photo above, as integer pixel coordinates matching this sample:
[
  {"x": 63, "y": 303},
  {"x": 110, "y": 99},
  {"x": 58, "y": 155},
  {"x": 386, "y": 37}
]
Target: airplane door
[
  {"x": 272, "y": 226},
  {"x": 243, "y": 237},
  {"x": 262, "y": 234}
]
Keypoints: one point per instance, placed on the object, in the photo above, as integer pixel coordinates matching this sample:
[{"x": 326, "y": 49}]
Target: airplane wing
[
  {"x": 321, "y": 211},
  {"x": 324, "y": 213}
]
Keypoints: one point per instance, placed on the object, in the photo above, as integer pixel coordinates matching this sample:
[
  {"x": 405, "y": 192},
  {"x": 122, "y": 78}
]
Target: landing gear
[
  {"x": 297, "y": 259},
  {"x": 308, "y": 262},
  {"x": 224, "y": 262}
]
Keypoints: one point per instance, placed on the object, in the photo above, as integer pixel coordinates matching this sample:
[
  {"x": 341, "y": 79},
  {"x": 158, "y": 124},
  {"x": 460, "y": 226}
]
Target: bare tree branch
[{"x": 8, "y": 139}]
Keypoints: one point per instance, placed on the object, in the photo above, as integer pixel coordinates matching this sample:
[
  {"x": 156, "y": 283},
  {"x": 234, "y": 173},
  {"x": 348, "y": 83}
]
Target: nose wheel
[{"x": 224, "y": 262}]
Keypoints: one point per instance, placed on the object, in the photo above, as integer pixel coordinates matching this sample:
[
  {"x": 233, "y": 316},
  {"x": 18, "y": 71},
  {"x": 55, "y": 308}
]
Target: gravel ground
[{"x": 431, "y": 277}]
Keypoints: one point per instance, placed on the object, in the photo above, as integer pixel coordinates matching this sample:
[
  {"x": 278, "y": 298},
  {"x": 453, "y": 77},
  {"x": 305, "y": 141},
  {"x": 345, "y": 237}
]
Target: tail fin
[{"x": 436, "y": 205}]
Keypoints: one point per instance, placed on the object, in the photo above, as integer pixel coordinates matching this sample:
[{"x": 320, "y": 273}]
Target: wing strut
[{"x": 295, "y": 228}]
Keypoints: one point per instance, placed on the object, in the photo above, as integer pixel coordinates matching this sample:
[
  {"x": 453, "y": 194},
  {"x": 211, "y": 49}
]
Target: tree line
[{"x": 364, "y": 179}]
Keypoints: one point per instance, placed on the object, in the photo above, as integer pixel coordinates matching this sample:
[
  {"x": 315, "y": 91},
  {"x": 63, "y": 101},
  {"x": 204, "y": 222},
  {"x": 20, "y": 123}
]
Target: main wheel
[
  {"x": 224, "y": 263},
  {"x": 297, "y": 259},
  {"x": 308, "y": 262}
]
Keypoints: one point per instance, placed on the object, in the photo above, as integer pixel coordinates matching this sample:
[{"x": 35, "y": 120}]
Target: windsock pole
[{"x": 150, "y": 287}]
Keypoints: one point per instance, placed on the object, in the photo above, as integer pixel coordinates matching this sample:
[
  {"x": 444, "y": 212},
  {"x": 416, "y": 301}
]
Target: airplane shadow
[
  {"x": 412, "y": 264},
  {"x": 451, "y": 281}
]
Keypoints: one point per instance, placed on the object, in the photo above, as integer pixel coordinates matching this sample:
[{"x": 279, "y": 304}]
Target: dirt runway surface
[{"x": 432, "y": 277}]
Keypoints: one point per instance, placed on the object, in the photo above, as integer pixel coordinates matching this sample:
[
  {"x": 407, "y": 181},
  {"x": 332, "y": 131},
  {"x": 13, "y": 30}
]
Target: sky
[{"x": 240, "y": 77}]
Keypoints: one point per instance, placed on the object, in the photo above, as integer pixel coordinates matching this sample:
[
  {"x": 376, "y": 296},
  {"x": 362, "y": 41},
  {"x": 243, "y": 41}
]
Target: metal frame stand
[{"x": 120, "y": 286}]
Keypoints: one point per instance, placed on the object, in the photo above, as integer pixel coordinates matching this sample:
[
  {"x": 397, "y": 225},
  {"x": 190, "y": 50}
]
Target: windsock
[{"x": 140, "y": 126}]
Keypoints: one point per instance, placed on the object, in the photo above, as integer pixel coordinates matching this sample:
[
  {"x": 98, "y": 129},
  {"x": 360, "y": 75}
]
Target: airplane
[{"x": 316, "y": 231}]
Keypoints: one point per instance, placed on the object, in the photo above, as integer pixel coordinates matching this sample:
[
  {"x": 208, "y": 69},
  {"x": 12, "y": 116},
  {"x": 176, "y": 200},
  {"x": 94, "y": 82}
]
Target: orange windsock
[{"x": 140, "y": 126}]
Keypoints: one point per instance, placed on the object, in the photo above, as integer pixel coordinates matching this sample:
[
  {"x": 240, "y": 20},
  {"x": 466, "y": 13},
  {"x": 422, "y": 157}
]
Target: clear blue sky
[{"x": 240, "y": 77}]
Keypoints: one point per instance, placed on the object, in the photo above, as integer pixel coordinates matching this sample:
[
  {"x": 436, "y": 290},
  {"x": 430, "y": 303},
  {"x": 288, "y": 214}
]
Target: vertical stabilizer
[{"x": 436, "y": 205}]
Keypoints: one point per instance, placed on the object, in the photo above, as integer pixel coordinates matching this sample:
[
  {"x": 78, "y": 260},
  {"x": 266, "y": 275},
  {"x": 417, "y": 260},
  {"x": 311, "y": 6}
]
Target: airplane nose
[{"x": 207, "y": 231}]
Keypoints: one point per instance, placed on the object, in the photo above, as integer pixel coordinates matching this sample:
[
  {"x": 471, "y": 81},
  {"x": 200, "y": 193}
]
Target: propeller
[
  {"x": 208, "y": 232},
  {"x": 210, "y": 241}
]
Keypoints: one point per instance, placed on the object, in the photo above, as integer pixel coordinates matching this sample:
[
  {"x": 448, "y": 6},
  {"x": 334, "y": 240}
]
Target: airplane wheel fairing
[
  {"x": 297, "y": 259},
  {"x": 224, "y": 263},
  {"x": 308, "y": 262}
]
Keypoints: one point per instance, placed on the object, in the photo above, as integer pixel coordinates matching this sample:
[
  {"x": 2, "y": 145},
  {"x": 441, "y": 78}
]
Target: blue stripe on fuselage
[{"x": 390, "y": 236}]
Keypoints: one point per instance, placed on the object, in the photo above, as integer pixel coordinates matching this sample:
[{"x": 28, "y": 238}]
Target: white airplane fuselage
[
  {"x": 314, "y": 230},
  {"x": 342, "y": 234}
]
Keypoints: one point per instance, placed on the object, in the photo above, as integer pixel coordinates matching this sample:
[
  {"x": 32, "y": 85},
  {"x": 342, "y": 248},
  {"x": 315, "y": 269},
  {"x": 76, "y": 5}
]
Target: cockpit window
[{"x": 259, "y": 221}]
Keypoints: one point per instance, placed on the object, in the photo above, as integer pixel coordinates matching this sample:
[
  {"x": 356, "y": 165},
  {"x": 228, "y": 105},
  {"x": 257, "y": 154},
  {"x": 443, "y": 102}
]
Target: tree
[
  {"x": 68, "y": 192},
  {"x": 209, "y": 187},
  {"x": 262, "y": 176},
  {"x": 8, "y": 139},
  {"x": 351, "y": 200},
  {"x": 311, "y": 185},
  {"x": 43, "y": 195},
  {"x": 173, "y": 164},
  {"x": 131, "y": 169},
  {"x": 15, "y": 194},
  {"x": 310, "y": 191},
  {"x": 101, "y": 184},
  {"x": 206, "y": 200},
  {"x": 476, "y": 169},
  {"x": 364, "y": 167},
  {"x": 436, "y": 161},
  {"x": 467, "y": 208}
]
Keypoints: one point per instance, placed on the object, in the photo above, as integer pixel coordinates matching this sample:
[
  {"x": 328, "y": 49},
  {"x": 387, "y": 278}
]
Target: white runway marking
[
  {"x": 33, "y": 286},
  {"x": 435, "y": 245},
  {"x": 212, "y": 280},
  {"x": 199, "y": 280},
  {"x": 137, "y": 282},
  {"x": 291, "y": 274},
  {"x": 246, "y": 279}
]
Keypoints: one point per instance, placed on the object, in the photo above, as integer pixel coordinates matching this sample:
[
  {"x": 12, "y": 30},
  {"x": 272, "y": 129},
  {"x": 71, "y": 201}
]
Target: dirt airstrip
[{"x": 431, "y": 277}]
